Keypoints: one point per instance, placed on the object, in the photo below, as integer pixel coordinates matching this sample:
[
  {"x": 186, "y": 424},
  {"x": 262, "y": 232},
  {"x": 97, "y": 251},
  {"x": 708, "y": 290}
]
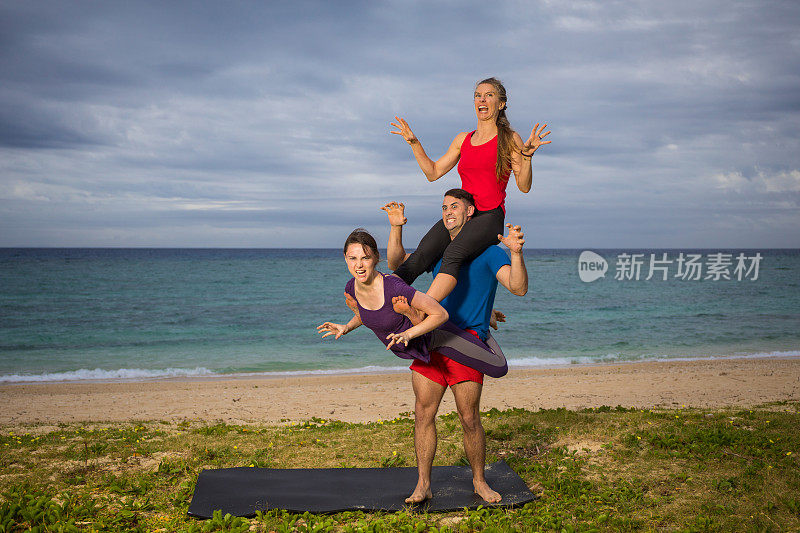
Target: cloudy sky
[{"x": 265, "y": 124}]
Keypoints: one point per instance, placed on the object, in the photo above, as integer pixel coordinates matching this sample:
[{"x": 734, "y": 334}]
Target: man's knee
[
  {"x": 425, "y": 411},
  {"x": 470, "y": 420}
]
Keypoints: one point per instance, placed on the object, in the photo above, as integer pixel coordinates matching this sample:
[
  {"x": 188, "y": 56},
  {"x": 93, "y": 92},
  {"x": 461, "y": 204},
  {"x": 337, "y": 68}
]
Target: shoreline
[
  {"x": 368, "y": 370},
  {"x": 370, "y": 397}
]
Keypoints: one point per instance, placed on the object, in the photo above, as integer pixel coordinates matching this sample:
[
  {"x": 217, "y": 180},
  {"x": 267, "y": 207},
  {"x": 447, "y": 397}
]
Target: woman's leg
[
  {"x": 465, "y": 348},
  {"x": 478, "y": 233},
  {"x": 430, "y": 249}
]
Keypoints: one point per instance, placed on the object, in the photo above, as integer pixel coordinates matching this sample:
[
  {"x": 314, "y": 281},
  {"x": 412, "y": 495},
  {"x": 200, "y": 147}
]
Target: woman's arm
[
  {"x": 437, "y": 315},
  {"x": 330, "y": 328},
  {"x": 433, "y": 170},
  {"x": 521, "y": 158},
  {"x": 521, "y": 166}
]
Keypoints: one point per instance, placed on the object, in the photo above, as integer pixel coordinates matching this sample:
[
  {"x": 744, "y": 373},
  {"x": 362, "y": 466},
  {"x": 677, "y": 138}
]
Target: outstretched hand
[
  {"x": 404, "y": 130},
  {"x": 396, "y": 212},
  {"x": 535, "y": 140},
  {"x": 397, "y": 338},
  {"x": 514, "y": 240},
  {"x": 332, "y": 329}
]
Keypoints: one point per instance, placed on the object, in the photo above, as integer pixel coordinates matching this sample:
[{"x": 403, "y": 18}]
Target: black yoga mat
[{"x": 243, "y": 491}]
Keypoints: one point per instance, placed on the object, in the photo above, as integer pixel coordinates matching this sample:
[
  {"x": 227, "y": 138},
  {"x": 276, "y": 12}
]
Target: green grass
[{"x": 603, "y": 469}]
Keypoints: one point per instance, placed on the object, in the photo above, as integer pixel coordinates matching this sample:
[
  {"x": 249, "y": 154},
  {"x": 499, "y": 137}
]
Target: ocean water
[{"x": 79, "y": 314}]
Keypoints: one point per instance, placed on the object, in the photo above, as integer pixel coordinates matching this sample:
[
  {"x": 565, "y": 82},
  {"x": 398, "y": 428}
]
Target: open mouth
[{"x": 483, "y": 109}]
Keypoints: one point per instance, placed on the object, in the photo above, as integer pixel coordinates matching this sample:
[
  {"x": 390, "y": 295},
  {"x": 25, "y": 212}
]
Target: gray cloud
[{"x": 251, "y": 124}]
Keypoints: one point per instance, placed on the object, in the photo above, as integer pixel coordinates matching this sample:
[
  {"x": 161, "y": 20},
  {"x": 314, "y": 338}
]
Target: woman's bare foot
[
  {"x": 400, "y": 305},
  {"x": 352, "y": 304},
  {"x": 496, "y": 316},
  {"x": 421, "y": 493},
  {"x": 483, "y": 490}
]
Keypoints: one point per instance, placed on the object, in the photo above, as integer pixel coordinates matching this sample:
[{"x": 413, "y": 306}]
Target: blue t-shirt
[{"x": 470, "y": 303}]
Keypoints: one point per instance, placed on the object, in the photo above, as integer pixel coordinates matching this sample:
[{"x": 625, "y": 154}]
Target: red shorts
[{"x": 445, "y": 371}]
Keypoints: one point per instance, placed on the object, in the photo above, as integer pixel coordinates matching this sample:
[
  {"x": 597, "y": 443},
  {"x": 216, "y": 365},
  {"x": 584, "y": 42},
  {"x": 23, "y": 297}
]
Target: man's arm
[
  {"x": 395, "y": 253},
  {"x": 514, "y": 277}
]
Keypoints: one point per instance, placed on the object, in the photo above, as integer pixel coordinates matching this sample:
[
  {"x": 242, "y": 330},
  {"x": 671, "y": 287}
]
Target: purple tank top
[{"x": 384, "y": 320}]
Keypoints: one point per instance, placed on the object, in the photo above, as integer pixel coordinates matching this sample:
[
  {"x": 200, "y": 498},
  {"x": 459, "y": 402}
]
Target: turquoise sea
[{"x": 81, "y": 314}]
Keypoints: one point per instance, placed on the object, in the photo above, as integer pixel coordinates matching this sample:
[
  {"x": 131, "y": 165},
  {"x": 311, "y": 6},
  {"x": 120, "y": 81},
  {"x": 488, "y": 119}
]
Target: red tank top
[{"x": 477, "y": 170}]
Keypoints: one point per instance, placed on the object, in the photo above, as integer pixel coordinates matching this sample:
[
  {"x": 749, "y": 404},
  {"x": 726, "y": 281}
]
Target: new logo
[{"x": 591, "y": 266}]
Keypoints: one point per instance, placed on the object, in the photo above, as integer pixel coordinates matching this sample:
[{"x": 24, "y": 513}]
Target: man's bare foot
[
  {"x": 352, "y": 304},
  {"x": 421, "y": 493},
  {"x": 400, "y": 305},
  {"x": 483, "y": 490}
]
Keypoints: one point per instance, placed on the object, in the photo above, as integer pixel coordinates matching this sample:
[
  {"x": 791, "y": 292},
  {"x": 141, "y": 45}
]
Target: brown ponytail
[{"x": 505, "y": 135}]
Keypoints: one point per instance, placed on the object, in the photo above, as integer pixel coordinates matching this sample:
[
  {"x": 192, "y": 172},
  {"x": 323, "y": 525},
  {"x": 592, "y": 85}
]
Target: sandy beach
[{"x": 369, "y": 397}]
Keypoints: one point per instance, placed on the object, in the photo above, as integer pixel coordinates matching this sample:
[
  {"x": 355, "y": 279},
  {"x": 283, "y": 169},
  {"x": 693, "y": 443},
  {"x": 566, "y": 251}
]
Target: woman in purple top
[{"x": 376, "y": 293}]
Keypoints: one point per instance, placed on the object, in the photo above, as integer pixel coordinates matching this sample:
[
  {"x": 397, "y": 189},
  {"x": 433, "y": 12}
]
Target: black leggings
[{"x": 477, "y": 235}]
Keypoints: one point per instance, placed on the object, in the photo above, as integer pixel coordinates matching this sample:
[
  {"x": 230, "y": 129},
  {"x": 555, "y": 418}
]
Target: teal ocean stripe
[{"x": 143, "y": 313}]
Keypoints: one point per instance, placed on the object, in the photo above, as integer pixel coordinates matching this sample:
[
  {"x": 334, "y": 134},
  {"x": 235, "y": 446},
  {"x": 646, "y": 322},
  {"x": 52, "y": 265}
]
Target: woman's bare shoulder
[{"x": 459, "y": 140}]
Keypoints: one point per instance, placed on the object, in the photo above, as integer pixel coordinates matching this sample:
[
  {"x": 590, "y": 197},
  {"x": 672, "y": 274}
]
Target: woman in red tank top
[{"x": 486, "y": 157}]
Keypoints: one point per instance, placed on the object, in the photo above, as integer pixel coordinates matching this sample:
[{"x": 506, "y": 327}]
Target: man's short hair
[{"x": 461, "y": 194}]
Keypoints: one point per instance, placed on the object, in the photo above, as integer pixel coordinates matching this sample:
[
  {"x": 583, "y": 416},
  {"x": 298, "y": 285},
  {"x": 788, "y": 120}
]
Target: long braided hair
[{"x": 505, "y": 134}]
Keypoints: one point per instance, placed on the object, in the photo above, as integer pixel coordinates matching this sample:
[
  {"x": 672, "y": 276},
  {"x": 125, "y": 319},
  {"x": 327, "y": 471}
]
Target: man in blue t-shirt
[{"x": 470, "y": 308}]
